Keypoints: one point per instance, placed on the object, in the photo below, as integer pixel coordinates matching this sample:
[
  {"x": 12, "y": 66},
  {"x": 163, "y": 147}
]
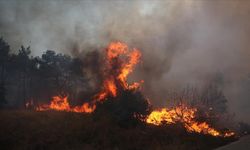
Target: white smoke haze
[{"x": 182, "y": 42}]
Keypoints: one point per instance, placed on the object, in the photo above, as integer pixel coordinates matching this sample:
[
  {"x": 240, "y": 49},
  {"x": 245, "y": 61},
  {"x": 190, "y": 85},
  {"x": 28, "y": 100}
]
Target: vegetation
[
  {"x": 25, "y": 78},
  {"x": 60, "y": 130}
]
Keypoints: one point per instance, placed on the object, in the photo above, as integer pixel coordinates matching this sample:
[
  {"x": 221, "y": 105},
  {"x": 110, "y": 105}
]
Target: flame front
[
  {"x": 61, "y": 104},
  {"x": 186, "y": 116},
  {"x": 119, "y": 63}
]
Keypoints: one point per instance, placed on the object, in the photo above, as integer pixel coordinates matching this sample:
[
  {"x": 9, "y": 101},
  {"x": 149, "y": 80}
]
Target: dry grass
[{"x": 28, "y": 130}]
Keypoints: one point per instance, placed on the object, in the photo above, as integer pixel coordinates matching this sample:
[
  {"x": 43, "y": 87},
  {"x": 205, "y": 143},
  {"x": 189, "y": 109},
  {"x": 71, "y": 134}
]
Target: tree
[
  {"x": 22, "y": 61},
  {"x": 2, "y": 94},
  {"x": 126, "y": 108},
  {"x": 212, "y": 95},
  {"x": 4, "y": 57}
]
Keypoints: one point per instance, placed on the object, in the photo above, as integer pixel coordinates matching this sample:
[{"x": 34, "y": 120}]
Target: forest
[
  {"x": 38, "y": 78},
  {"x": 26, "y": 78}
]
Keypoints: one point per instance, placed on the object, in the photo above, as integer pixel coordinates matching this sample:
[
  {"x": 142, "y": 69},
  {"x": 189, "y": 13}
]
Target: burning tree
[
  {"x": 119, "y": 63},
  {"x": 125, "y": 103}
]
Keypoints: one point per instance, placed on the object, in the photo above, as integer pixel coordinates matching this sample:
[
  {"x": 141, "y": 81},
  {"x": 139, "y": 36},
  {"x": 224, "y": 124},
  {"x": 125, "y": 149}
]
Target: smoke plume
[{"x": 182, "y": 42}]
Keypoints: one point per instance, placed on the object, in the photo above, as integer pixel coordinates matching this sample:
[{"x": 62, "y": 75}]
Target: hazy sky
[{"x": 185, "y": 41}]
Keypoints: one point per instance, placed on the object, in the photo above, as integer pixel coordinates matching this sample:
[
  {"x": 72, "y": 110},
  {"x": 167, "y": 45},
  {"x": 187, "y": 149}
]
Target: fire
[
  {"x": 110, "y": 87},
  {"x": 57, "y": 103},
  {"x": 61, "y": 104},
  {"x": 186, "y": 116},
  {"x": 85, "y": 108},
  {"x": 127, "y": 68},
  {"x": 120, "y": 61}
]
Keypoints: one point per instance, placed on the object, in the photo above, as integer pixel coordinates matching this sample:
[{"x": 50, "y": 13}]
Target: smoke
[{"x": 182, "y": 42}]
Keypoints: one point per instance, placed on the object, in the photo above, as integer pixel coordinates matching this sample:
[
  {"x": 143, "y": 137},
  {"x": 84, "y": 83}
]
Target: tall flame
[{"x": 119, "y": 63}]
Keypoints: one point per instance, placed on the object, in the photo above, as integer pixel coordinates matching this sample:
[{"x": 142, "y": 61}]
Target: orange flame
[
  {"x": 85, "y": 108},
  {"x": 127, "y": 68},
  {"x": 186, "y": 116},
  {"x": 120, "y": 62},
  {"x": 61, "y": 104}
]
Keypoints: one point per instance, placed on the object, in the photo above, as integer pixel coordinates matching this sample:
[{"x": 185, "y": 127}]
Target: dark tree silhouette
[
  {"x": 24, "y": 78},
  {"x": 126, "y": 108},
  {"x": 4, "y": 58},
  {"x": 22, "y": 62}
]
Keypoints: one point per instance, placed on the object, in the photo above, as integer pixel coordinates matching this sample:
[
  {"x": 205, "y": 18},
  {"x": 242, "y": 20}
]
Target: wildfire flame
[
  {"x": 186, "y": 116},
  {"x": 61, "y": 104},
  {"x": 119, "y": 63}
]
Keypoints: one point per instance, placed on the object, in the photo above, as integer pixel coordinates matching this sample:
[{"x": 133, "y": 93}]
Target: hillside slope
[{"x": 22, "y": 130}]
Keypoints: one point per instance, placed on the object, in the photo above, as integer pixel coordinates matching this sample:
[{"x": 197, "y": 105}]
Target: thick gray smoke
[{"x": 182, "y": 42}]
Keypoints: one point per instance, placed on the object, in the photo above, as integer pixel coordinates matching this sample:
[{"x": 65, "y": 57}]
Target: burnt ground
[{"x": 28, "y": 130}]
